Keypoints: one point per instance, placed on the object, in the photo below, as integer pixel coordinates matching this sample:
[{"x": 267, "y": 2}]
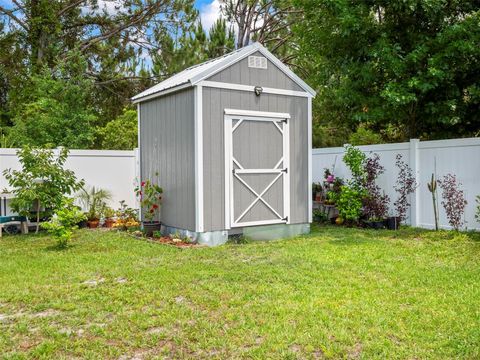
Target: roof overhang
[{"x": 136, "y": 100}]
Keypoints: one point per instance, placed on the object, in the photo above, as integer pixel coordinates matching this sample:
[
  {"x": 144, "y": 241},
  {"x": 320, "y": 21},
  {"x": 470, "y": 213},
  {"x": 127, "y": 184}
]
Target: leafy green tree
[
  {"x": 54, "y": 112},
  {"x": 364, "y": 136},
  {"x": 121, "y": 133},
  {"x": 114, "y": 37},
  {"x": 42, "y": 181},
  {"x": 408, "y": 65}
]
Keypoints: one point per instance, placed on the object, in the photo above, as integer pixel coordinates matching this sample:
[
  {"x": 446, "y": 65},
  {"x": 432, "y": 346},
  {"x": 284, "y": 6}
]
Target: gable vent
[{"x": 258, "y": 62}]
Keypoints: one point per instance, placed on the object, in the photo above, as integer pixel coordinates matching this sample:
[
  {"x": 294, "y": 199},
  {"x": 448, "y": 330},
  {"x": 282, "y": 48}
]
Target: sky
[{"x": 209, "y": 12}]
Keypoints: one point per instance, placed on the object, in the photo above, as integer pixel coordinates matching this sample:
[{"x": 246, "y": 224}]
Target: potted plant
[
  {"x": 319, "y": 216},
  {"x": 94, "y": 201},
  {"x": 126, "y": 217},
  {"x": 108, "y": 214},
  {"x": 404, "y": 186},
  {"x": 150, "y": 196},
  {"x": 317, "y": 191}
]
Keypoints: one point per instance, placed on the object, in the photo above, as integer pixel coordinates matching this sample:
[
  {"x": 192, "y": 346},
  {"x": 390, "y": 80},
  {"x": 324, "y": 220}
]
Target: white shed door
[{"x": 256, "y": 162}]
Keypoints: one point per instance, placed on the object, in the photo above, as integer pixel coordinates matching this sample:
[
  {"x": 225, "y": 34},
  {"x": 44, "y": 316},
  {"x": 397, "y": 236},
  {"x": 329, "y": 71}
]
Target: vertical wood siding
[
  {"x": 240, "y": 73},
  {"x": 167, "y": 147},
  {"x": 214, "y": 103}
]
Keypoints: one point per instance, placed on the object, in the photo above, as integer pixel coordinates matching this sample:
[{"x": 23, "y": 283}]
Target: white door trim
[{"x": 246, "y": 115}]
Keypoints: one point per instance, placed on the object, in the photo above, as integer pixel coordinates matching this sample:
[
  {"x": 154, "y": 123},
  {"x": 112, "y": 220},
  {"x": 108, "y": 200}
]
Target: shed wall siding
[
  {"x": 214, "y": 103},
  {"x": 167, "y": 147},
  {"x": 240, "y": 73}
]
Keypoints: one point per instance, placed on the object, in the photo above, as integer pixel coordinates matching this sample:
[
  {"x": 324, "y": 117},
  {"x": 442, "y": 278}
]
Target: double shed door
[{"x": 257, "y": 178}]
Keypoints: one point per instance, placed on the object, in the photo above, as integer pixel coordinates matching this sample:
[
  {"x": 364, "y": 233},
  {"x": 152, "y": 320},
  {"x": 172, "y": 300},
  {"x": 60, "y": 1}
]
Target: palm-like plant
[{"x": 94, "y": 200}]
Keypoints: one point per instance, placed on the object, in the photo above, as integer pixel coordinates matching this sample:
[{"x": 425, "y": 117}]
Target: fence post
[
  {"x": 415, "y": 198},
  {"x": 138, "y": 179}
]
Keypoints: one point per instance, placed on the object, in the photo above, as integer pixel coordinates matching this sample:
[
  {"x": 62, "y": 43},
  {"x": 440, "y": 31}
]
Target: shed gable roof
[{"x": 197, "y": 73}]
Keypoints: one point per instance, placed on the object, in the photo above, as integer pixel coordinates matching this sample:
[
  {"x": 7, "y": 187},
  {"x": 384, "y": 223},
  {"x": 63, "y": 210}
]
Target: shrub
[
  {"x": 355, "y": 159},
  {"x": 404, "y": 186},
  {"x": 375, "y": 204},
  {"x": 64, "y": 222},
  {"x": 349, "y": 202},
  {"x": 453, "y": 201},
  {"x": 42, "y": 180}
]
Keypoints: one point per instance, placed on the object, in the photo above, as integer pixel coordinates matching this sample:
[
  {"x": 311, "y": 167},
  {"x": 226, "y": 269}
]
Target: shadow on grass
[{"x": 60, "y": 248}]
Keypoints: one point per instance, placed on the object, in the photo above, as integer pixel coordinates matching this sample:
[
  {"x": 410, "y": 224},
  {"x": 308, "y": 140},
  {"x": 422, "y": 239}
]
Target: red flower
[
  {"x": 143, "y": 183},
  {"x": 152, "y": 211},
  {"x": 155, "y": 206},
  {"x": 140, "y": 193}
]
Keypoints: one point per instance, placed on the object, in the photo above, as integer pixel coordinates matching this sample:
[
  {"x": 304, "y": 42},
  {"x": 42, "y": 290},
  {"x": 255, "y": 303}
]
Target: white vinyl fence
[
  {"x": 112, "y": 170},
  {"x": 460, "y": 157}
]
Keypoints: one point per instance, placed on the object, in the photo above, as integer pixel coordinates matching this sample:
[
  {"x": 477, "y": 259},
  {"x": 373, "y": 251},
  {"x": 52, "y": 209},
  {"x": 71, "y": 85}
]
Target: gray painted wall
[
  {"x": 214, "y": 103},
  {"x": 240, "y": 73},
  {"x": 167, "y": 146}
]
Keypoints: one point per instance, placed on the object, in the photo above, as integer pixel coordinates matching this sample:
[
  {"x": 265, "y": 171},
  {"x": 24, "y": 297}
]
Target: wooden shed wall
[
  {"x": 167, "y": 147},
  {"x": 214, "y": 102}
]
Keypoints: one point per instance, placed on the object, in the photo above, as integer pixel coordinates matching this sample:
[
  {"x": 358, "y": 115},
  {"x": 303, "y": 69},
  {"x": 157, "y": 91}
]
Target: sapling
[
  {"x": 454, "y": 201},
  {"x": 404, "y": 186}
]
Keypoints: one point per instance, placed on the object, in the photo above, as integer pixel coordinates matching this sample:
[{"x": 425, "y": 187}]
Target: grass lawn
[{"x": 337, "y": 293}]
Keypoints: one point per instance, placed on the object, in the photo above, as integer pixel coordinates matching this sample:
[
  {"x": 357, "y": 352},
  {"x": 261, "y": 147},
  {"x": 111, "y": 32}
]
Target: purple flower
[{"x": 330, "y": 179}]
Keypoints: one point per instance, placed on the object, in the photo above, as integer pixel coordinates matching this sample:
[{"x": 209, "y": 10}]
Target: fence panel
[
  {"x": 458, "y": 156},
  {"x": 112, "y": 170}
]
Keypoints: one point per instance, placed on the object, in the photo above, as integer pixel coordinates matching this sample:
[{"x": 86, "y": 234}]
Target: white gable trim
[
  {"x": 250, "y": 88},
  {"x": 243, "y": 54}
]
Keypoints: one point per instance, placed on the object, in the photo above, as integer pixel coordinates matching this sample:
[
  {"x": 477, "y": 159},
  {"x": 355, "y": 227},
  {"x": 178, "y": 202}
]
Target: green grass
[{"x": 338, "y": 293}]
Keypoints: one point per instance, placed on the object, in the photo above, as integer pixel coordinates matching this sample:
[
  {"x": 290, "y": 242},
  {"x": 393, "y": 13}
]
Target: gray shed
[{"x": 231, "y": 142}]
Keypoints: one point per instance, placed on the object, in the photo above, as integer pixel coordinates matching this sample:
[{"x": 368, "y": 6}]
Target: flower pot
[
  {"x": 339, "y": 220},
  {"x": 378, "y": 224},
  {"x": 109, "y": 223},
  {"x": 392, "y": 222},
  {"x": 93, "y": 224},
  {"x": 149, "y": 227},
  {"x": 82, "y": 224}
]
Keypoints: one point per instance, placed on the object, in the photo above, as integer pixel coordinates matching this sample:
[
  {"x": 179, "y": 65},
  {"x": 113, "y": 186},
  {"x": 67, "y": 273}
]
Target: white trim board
[
  {"x": 309, "y": 155},
  {"x": 199, "y": 204},
  {"x": 260, "y": 114},
  {"x": 251, "y": 88}
]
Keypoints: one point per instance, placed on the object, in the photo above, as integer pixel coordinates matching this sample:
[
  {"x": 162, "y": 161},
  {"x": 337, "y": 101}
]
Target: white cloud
[
  {"x": 209, "y": 13},
  {"x": 110, "y": 7}
]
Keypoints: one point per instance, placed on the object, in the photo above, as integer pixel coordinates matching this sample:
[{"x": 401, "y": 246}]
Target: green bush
[
  {"x": 64, "y": 222},
  {"x": 349, "y": 203}
]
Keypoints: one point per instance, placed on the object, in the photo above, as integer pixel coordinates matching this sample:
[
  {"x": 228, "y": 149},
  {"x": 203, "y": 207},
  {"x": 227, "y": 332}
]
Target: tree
[
  {"x": 121, "y": 133},
  {"x": 54, "y": 112},
  {"x": 42, "y": 181},
  {"x": 407, "y": 69},
  {"x": 221, "y": 40},
  {"x": 115, "y": 37}
]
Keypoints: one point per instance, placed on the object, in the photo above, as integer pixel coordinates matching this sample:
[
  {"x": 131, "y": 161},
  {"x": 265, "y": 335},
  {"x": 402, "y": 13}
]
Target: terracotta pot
[
  {"x": 93, "y": 224},
  {"x": 109, "y": 223}
]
